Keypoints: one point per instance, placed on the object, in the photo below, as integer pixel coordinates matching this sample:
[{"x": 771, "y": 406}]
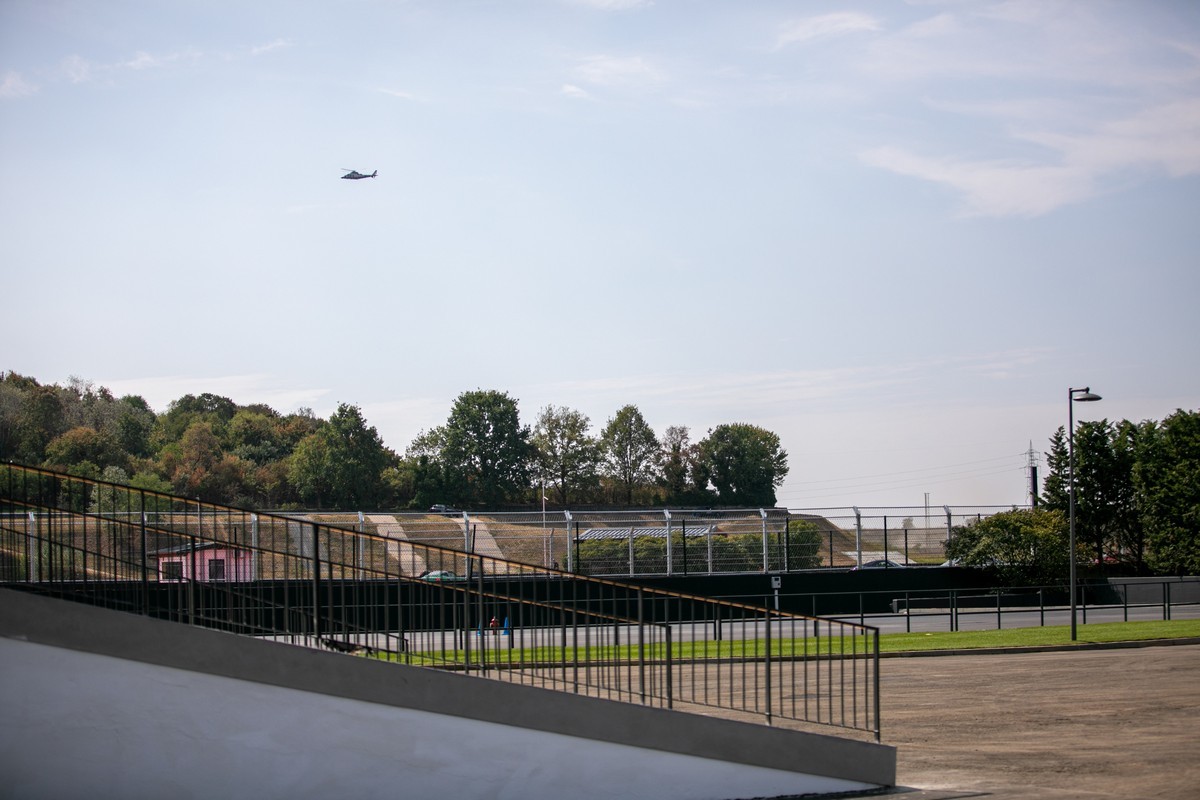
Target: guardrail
[{"x": 372, "y": 589}]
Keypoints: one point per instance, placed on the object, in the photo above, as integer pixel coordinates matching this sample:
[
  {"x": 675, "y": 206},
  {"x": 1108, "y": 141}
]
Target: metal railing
[{"x": 375, "y": 586}]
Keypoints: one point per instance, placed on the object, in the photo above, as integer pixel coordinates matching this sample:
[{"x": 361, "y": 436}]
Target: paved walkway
[{"x": 1060, "y": 725}]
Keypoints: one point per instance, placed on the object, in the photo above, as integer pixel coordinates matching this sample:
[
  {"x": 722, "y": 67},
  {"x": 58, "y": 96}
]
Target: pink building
[{"x": 213, "y": 562}]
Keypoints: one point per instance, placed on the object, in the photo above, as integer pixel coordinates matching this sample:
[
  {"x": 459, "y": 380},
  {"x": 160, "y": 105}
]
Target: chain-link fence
[{"x": 685, "y": 541}]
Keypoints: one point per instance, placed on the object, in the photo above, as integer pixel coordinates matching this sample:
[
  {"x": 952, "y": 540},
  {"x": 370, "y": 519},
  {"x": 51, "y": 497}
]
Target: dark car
[
  {"x": 881, "y": 563},
  {"x": 438, "y": 508}
]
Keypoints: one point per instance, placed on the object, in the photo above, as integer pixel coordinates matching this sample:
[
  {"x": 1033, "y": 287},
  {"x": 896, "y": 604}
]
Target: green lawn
[
  {"x": 1039, "y": 637},
  {"x": 888, "y": 643}
]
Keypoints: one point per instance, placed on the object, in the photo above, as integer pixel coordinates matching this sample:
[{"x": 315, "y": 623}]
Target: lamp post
[{"x": 1074, "y": 396}]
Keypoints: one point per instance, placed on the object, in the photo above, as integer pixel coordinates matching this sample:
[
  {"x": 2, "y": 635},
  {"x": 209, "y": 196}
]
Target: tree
[
  {"x": 357, "y": 459},
  {"x": 682, "y": 477},
  {"x": 485, "y": 451},
  {"x": 308, "y": 470},
  {"x": 630, "y": 450},
  {"x": 84, "y": 444},
  {"x": 1023, "y": 546},
  {"x": 217, "y": 411},
  {"x": 744, "y": 463},
  {"x": 40, "y": 421},
  {"x": 567, "y": 457},
  {"x": 1054, "y": 487},
  {"x": 1167, "y": 479}
]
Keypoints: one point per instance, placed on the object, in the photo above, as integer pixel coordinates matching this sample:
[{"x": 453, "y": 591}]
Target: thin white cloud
[
  {"x": 1098, "y": 101},
  {"x": 13, "y": 86},
  {"x": 77, "y": 69},
  {"x": 620, "y": 71},
  {"x": 573, "y": 91},
  {"x": 1165, "y": 138},
  {"x": 800, "y": 31},
  {"x": 996, "y": 188},
  {"x": 278, "y": 44}
]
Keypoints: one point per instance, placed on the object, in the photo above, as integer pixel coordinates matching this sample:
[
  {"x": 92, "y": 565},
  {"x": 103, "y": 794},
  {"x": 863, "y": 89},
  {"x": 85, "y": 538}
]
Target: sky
[{"x": 895, "y": 234}]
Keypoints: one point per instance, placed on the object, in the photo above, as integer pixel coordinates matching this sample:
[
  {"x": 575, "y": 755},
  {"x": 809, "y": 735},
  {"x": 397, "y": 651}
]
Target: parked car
[
  {"x": 881, "y": 563},
  {"x": 441, "y": 576},
  {"x": 438, "y": 508}
]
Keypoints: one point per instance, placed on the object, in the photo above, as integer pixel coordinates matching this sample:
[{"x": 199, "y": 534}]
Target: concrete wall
[{"x": 102, "y": 704}]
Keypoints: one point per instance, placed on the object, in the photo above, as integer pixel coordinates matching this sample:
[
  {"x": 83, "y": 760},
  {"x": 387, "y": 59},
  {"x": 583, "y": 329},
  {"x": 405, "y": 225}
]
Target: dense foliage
[
  {"x": 1137, "y": 506},
  {"x": 210, "y": 447}
]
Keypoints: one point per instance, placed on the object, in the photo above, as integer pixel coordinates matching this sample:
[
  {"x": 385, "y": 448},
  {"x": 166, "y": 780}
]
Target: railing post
[
  {"x": 878, "y": 722},
  {"x": 767, "y": 662},
  {"x": 670, "y": 670},
  {"x": 145, "y": 558},
  {"x": 316, "y": 582},
  {"x": 641, "y": 620}
]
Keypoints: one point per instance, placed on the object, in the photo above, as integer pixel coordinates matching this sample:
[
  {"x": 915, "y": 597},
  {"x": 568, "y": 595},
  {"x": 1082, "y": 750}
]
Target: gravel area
[{"x": 1086, "y": 724}]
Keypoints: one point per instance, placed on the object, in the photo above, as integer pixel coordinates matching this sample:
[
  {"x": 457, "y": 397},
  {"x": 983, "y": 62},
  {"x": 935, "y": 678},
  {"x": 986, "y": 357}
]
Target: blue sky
[{"x": 893, "y": 233}]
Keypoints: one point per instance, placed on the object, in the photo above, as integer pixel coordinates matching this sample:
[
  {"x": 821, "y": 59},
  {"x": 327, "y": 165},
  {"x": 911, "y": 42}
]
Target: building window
[
  {"x": 172, "y": 570},
  {"x": 216, "y": 569}
]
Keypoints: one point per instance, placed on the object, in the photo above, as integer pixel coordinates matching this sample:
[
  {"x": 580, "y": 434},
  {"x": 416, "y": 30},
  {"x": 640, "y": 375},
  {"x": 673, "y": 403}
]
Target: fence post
[
  {"x": 857, "y": 536},
  {"x": 631, "y": 551},
  {"x": 766, "y": 552},
  {"x": 670, "y": 566},
  {"x": 570, "y": 561}
]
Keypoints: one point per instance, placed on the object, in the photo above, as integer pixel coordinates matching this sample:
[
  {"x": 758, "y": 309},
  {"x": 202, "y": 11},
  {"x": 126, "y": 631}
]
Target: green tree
[
  {"x": 40, "y": 421},
  {"x": 1054, "y": 486},
  {"x": 134, "y": 425},
  {"x": 356, "y": 459},
  {"x": 309, "y": 470},
  {"x": 630, "y": 451},
  {"x": 254, "y": 436},
  {"x": 217, "y": 411},
  {"x": 1023, "y": 546},
  {"x": 682, "y": 477},
  {"x": 84, "y": 444},
  {"x": 485, "y": 451},
  {"x": 567, "y": 457},
  {"x": 1167, "y": 478},
  {"x": 744, "y": 463}
]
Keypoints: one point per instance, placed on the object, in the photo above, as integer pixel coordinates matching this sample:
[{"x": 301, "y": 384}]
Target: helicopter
[{"x": 352, "y": 175}]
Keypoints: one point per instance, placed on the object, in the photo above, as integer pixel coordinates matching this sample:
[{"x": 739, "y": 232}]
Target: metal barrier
[{"x": 375, "y": 585}]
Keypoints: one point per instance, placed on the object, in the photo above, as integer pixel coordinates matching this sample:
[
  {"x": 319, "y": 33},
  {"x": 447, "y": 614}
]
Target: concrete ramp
[{"x": 98, "y": 700}]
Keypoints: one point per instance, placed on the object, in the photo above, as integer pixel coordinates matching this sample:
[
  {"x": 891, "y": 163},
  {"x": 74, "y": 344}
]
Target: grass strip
[{"x": 791, "y": 648}]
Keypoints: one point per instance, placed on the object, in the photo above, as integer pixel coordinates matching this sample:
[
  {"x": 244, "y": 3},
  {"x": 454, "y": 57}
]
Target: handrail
[{"x": 358, "y": 591}]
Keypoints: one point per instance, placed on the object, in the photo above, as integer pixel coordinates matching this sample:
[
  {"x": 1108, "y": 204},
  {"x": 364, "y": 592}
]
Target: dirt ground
[{"x": 1088, "y": 724}]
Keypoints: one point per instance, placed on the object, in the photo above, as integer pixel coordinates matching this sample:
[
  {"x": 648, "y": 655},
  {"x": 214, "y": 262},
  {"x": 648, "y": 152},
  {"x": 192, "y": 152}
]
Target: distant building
[{"x": 213, "y": 562}]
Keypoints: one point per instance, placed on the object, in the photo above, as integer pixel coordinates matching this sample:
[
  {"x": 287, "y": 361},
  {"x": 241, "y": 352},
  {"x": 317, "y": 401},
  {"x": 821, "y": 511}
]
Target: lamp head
[{"x": 1086, "y": 397}]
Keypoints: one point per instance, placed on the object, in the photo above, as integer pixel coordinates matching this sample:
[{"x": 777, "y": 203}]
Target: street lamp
[{"x": 1074, "y": 396}]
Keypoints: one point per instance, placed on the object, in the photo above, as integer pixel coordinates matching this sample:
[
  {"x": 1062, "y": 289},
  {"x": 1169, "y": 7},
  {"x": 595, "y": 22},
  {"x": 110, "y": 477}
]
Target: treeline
[
  {"x": 1137, "y": 506},
  {"x": 208, "y": 446}
]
